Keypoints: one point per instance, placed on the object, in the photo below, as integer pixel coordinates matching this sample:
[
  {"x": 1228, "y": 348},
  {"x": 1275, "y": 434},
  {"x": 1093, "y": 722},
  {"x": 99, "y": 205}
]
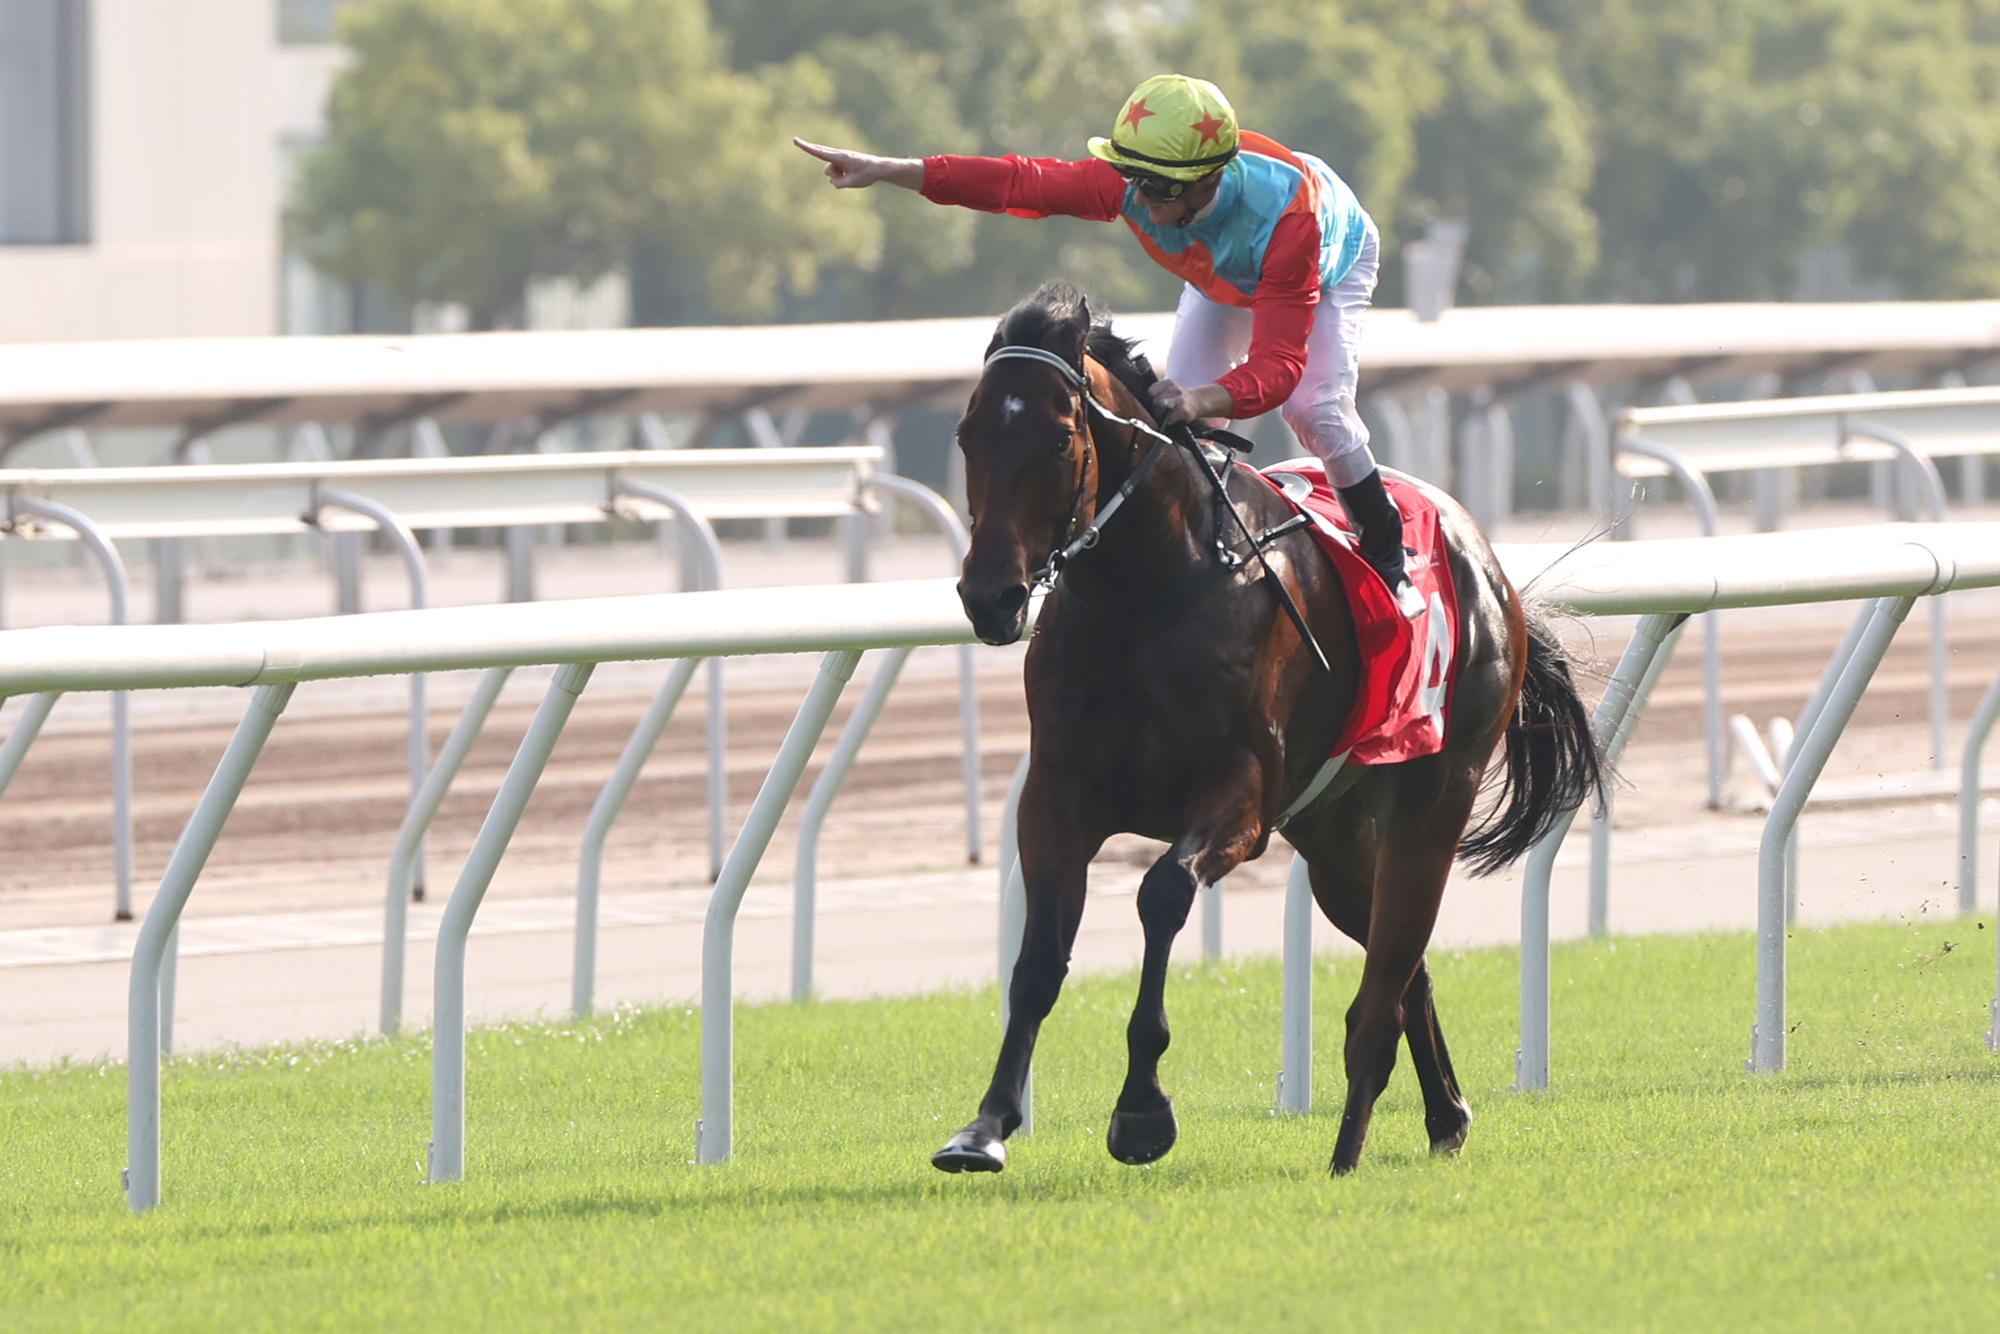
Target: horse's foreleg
[
  {"x": 1222, "y": 831},
  {"x": 1055, "y": 859}
]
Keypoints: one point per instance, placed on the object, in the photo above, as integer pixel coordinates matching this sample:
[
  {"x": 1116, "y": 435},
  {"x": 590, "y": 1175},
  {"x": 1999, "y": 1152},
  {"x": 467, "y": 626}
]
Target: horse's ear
[{"x": 1080, "y": 327}]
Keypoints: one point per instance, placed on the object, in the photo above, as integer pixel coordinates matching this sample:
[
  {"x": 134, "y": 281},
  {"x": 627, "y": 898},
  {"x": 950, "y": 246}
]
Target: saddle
[{"x": 1403, "y": 700}]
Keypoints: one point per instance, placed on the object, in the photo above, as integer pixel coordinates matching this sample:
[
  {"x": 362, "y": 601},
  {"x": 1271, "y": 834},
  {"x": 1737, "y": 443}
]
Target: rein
[{"x": 1184, "y": 437}]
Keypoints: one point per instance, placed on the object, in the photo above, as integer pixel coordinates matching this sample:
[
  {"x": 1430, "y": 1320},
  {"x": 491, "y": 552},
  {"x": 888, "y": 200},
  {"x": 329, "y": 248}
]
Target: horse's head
[{"x": 1030, "y": 468}]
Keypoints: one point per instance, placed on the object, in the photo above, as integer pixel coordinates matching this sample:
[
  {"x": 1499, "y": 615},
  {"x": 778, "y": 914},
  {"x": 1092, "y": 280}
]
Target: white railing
[
  {"x": 250, "y": 499},
  {"x": 1905, "y": 430},
  {"x": 396, "y": 495},
  {"x": 1891, "y": 565}
]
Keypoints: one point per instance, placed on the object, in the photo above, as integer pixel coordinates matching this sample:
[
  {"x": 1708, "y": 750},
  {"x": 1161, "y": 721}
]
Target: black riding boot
[{"x": 1379, "y": 526}]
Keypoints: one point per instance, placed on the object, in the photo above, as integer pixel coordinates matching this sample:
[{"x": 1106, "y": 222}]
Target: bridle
[
  {"x": 1084, "y": 541},
  {"x": 1052, "y": 568}
]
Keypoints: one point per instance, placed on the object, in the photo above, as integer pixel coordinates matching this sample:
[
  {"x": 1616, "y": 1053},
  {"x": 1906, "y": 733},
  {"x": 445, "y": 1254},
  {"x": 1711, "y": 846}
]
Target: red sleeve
[
  {"x": 1026, "y": 187},
  {"x": 1280, "y": 319}
]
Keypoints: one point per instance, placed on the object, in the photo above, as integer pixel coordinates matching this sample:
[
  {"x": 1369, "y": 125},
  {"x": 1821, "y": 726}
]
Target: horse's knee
[
  {"x": 1037, "y": 982},
  {"x": 1166, "y": 896}
]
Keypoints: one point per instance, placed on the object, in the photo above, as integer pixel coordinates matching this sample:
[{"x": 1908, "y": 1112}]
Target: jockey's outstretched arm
[{"x": 849, "y": 170}]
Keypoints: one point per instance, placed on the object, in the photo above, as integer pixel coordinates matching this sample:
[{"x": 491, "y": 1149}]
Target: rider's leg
[
  {"x": 1209, "y": 339},
  {"x": 1322, "y": 414}
]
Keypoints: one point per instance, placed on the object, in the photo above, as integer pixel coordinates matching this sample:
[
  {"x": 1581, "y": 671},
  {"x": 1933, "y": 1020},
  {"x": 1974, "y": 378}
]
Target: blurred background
[{"x": 172, "y": 168}]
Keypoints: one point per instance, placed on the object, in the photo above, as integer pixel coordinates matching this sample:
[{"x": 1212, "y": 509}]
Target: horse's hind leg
[
  {"x": 1409, "y": 882},
  {"x": 1446, "y": 1115},
  {"x": 1343, "y": 884},
  {"x": 1222, "y": 831}
]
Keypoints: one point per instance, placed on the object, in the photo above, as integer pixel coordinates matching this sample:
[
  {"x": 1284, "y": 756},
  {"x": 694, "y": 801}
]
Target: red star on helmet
[
  {"x": 1137, "y": 112},
  {"x": 1210, "y": 127}
]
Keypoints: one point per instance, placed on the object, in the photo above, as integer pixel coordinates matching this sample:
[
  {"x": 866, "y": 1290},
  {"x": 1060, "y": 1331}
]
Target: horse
[{"x": 1173, "y": 694}]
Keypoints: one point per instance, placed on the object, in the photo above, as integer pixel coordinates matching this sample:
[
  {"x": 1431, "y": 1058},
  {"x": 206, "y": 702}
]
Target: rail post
[
  {"x": 410, "y": 837},
  {"x": 1295, "y": 1090},
  {"x": 1814, "y": 745},
  {"x": 805, "y": 878},
  {"x": 715, "y": 1132},
  {"x": 1645, "y": 657},
  {"x": 405, "y": 542},
  {"x": 446, "y": 1158},
  {"x": 1969, "y": 779},
  {"x": 698, "y": 539},
  {"x": 605, "y": 810},
  {"x": 197, "y": 840},
  {"x": 1702, "y": 498},
  {"x": 1919, "y": 465},
  {"x": 954, "y": 529},
  {"x": 121, "y": 701}
]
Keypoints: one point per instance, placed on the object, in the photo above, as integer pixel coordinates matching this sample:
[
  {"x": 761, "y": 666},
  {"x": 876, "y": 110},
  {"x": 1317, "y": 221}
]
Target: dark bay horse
[{"x": 1171, "y": 695}]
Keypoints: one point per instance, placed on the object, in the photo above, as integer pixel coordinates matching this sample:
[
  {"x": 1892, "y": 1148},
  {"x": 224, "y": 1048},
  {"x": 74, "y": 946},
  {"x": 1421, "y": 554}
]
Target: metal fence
[
  {"x": 1891, "y": 565},
  {"x": 394, "y": 497}
]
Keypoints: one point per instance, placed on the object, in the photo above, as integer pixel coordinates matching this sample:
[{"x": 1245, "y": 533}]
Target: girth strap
[{"x": 1319, "y": 784}]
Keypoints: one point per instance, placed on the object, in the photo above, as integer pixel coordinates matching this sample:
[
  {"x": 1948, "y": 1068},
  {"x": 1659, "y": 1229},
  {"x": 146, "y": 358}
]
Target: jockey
[{"x": 1278, "y": 257}]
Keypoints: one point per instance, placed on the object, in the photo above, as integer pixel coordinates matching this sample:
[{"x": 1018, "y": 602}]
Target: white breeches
[{"x": 1211, "y": 338}]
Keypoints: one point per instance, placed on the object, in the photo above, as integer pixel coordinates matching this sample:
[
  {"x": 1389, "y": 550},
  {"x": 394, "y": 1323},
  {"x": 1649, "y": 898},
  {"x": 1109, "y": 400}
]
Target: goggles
[{"x": 1159, "y": 189}]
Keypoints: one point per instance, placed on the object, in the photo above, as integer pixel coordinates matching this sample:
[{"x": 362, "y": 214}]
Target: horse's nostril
[{"x": 1011, "y": 599}]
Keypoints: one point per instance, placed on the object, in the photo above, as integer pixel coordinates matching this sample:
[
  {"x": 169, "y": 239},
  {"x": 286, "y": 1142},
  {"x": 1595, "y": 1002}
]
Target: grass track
[{"x": 1659, "y": 1186}]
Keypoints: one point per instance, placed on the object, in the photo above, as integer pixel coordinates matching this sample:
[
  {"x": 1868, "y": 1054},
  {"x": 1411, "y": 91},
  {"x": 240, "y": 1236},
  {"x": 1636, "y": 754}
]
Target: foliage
[
  {"x": 1734, "y": 134},
  {"x": 1429, "y": 108},
  {"x": 1657, "y": 1185},
  {"x": 475, "y": 144},
  {"x": 1601, "y": 149}
]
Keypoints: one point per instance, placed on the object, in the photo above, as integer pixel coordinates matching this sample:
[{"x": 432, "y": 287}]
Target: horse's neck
[{"x": 1158, "y": 539}]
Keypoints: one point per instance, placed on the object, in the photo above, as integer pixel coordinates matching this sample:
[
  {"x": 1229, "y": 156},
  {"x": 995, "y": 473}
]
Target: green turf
[{"x": 1659, "y": 1186}]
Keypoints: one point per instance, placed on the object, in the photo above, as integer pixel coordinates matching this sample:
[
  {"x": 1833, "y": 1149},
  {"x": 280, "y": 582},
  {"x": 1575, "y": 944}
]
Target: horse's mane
[{"x": 1051, "y": 318}]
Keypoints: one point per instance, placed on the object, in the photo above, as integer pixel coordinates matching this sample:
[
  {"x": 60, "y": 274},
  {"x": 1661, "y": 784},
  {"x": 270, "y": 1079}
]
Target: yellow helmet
[{"x": 1171, "y": 126}]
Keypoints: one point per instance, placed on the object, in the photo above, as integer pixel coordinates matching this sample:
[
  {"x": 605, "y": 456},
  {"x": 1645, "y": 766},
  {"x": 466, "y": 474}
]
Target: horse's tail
[{"x": 1553, "y": 765}]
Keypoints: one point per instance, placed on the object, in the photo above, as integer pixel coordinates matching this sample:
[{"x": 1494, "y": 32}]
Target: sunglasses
[{"x": 1159, "y": 189}]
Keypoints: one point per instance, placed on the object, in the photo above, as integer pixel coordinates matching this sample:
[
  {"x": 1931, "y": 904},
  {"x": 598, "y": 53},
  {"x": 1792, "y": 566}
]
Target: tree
[
  {"x": 918, "y": 77},
  {"x": 1428, "y": 108},
  {"x": 476, "y": 144},
  {"x": 1732, "y": 135}
]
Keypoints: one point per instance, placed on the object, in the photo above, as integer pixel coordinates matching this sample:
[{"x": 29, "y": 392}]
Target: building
[{"x": 142, "y": 158}]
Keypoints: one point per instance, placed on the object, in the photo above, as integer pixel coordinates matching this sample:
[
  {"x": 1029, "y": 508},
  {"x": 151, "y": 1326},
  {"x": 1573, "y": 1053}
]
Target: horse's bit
[{"x": 1184, "y": 437}]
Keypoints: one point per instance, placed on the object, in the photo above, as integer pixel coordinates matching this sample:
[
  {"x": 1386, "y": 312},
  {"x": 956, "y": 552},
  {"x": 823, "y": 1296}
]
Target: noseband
[{"x": 1084, "y": 541}]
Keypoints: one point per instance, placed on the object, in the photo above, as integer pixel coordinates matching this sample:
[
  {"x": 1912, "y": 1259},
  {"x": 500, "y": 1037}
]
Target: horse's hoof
[
  {"x": 1136, "y": 1138},
  {"x": 971, "y": 1150},
  {"x": 1449, "y": 1143}
]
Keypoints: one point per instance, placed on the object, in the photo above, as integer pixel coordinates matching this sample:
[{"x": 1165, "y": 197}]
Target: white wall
[{"x": 184, "y": 183}]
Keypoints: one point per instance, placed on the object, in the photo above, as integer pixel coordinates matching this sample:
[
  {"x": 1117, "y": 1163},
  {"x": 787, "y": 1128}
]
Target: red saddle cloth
[{"x": 1407, "y": 666}]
